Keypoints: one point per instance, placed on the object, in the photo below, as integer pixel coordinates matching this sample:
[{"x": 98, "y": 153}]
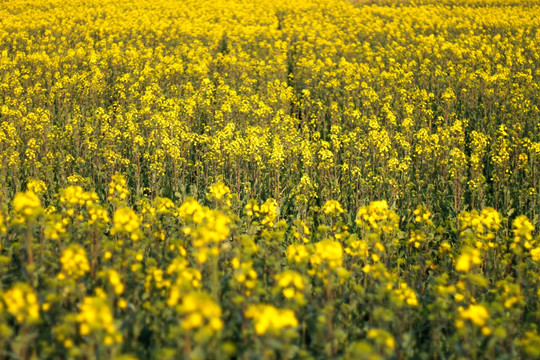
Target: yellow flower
[
  {"x": 125, "y": 221},
  {"x": 523, "y": 229},
  {"x": 332, "y": 207},
  {"x": 244, "y": 273},
  {"x": 74, "y": 262},
  {"x": 95, "y": 318},
  {"x": 535, "y": 254},
  {"x": 382, "y": 337},
  {"x": 163, "y": 205},
  {"x": 115, "y": 281},
  {"x": 378, "y": 217},
  {"x": 118, "y": 188},
  {"x": 291, "y": 283},
  {"x": 477, "y": 314},
  {"x": 421, "y": 214},
  {"x": 328, "y": 251},
  {"x": 269, "y": 319},
  {"x": 406, "y": 295},
  {"x": 269, "y": 210},
  {"x": 191, "y": 207},
  {"x": 122, "y": 303},
  {"x": 36, "y": 186},
  {"x": 27, "y": 203},
  {"x": 469, "y": 257},
  {"x": 297, "y": 253},
  {"x": 200, "y": 310},
  {"x": 218, "y": 191},
  {"x": 22, "y": 303}
]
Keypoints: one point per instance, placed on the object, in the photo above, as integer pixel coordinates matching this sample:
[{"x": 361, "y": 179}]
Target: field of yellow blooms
[{"x": 269, "y": 179}]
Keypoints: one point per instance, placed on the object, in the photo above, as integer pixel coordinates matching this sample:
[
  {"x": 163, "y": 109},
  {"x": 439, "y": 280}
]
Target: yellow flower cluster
[
  {"x": 535, "y": 254},
  {"x": 199, "y": 310},
  {"x": 328, "y": 252},
  {"x": 21, "y": 302},
  {"x": 383, "y": 337},
  {"x": 56, "y": 228},
  {"x": 270, "y": 320},
  {"x": 301, "y": 232},
  {"x": 211, "y": 227},
  {"x": 74, "y": 262},
  {"x": 27, "y": 204},
  {"x": 467, "y": 259},
  {"x": 244, "y": 274},
  {"x": 96, "y": 319},
  {"x": 421, "y": 214},
  {"x": 187, "y": 279},
  {"x": 406, "y": 295},
  {"x": 291, "y": 283},
  {"x": 127, "y": 221},
  {"x": 267, "y": 211},
  {"x": 163, "y": 205},
  {"x": 74, "y": 195},
  {"x": 37, "y": 186},
  {"x": 378, "y": 217},
  {"x": 476, "y": 314},
  {"x": 297, "y": 253},
  {"x": 522, "y": 229},
  {"x": 191, "y": 208},
  {"x": 219, "y": 191},
  {"x": 358, "y": 248},
  {"x": 332, "y": 207},
  {"x": 3, "y": 227},
  {"x": 116, "y": 281},
  {"x": 485, "y": 222},
  {"x": 118, "y": 189}
]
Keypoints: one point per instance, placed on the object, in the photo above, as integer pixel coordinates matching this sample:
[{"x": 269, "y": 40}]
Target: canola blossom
[{"x": 269, "y": 179}]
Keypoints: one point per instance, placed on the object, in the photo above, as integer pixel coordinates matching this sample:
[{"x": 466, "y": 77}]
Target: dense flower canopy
[{"x": 252, "y": 179}]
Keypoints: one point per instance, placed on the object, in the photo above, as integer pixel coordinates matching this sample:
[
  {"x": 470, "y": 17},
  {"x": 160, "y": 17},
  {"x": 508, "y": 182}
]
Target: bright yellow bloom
[
  {"x": 74, "y": 262},
  {"x": 477, "y": 314},
  {"x": 163, "y": 205},
  {"x": 332, "y": 207},
  {"x": 191, "y": 207},
  {"x": 218, "y": 190},
  {"x": 22, "y": 303},
  {"x": 36, "y": 186},
  {"x": 469, "y": 257},
  {"x": 118, "y": 188},
  {"x": 377, "y": 216},
  {"x": 406, "y": 295},
  {"x": 125, "y": 221},
  {"x": 115, "y": 281},
  {"x": 523, "y": 229},
  {"x": 297, "y": 253},
  {"x": 198, "y": 310},
  {"x": 269, "y": 319},
  {"x": 421, "y": 214},
  {"x": 535, "y": 254},
  {"x": 328, "y": 251},
  {"x": 95, "y": 318},
  {"x": 27, "y": 203},
  {"x": 291, "y": 283}
]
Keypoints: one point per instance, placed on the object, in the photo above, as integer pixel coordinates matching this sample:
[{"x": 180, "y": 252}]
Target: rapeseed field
[{"x": 269, "y": 179}]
